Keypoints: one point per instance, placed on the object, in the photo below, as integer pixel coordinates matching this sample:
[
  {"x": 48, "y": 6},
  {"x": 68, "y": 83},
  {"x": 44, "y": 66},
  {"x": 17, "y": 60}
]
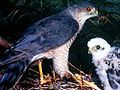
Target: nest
[{"x": 31, "y": 81}]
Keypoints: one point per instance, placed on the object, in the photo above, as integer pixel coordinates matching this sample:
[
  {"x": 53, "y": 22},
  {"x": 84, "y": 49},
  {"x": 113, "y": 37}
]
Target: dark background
[{"x": 17, "y": 15}]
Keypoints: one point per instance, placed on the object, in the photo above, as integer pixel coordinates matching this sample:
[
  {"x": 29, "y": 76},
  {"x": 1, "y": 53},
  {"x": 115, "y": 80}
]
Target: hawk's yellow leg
[{"x": 42, "y": 81}]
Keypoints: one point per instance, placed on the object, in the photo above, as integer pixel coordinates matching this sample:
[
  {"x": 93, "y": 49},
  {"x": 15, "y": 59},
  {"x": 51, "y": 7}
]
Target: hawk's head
[
  {"x": 83, "y": 11},
  {"x": 99, "y": 48}
]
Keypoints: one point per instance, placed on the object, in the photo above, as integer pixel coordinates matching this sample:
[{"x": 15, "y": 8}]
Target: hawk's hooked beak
[{"x": 94, "y": 12}]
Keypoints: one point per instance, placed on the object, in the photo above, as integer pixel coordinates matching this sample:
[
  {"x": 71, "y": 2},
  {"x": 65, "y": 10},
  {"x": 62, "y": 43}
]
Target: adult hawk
[
  {"x": 50, "y": 37},
  {"x": 107, "y": 62}
]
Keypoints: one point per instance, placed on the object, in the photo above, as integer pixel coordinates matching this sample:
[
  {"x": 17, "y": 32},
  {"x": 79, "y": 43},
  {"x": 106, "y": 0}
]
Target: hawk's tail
[{"x": 13, "y": 73}]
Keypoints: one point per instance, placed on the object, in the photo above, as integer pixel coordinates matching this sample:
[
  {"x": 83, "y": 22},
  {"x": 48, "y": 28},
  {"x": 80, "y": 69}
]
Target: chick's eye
[
  {"x": 88, "y": 9},
  {"x": 103, "y": 48},
  {"x": 98, "y": 47}
]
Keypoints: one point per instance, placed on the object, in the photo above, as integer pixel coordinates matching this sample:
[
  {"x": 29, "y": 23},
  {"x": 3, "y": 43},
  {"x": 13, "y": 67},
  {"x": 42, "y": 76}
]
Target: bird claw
[
  {"x": 43, "y": 81},
  {"x": 67, "y": 75}
]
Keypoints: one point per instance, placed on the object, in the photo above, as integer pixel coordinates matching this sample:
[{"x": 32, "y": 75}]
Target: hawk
[
  {"x": 51, "y": 38},
  {"x": 107, "y": 62}
]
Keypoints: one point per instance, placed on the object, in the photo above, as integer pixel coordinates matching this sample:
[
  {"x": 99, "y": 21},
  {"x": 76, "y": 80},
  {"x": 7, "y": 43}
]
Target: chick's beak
[
  {"x": 89, "y": 51},
  {"x": 92, "y": 50}
]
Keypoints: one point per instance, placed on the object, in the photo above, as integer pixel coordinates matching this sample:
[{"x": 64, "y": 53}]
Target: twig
[{"x": 34, "y": 70}]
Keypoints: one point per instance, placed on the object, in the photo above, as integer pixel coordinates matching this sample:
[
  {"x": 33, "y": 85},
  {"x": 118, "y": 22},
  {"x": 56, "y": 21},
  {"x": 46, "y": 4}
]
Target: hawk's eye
[
  {"x": 98, "y": 47},
  {"x": 88, "y": 9}
]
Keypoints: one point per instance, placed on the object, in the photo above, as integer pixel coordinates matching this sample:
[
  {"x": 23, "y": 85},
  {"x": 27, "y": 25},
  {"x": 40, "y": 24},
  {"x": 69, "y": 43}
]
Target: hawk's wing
[{"x": 47, "y": 34}]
